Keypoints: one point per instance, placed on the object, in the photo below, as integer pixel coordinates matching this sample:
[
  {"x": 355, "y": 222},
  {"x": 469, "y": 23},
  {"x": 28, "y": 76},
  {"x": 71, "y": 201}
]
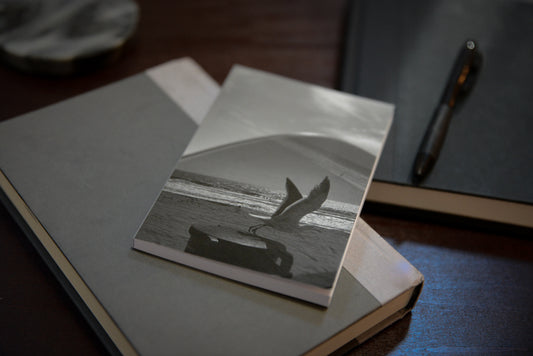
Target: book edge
[
  {"x": 382, "y": 317},
  {"x": 84, "y": 299},
  {"x": 470, "y": 206}
]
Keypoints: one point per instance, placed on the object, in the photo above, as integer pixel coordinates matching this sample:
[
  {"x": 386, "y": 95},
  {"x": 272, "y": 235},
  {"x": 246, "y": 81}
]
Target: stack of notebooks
[{"x": 237, "y": 236}]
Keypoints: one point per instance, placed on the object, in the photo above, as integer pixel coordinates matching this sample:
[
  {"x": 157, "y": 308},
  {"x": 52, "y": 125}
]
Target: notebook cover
[{"x": 403, "y": 52}]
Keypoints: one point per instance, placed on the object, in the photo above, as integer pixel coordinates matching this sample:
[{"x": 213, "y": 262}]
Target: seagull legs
[{"x": 253, "y": 229}]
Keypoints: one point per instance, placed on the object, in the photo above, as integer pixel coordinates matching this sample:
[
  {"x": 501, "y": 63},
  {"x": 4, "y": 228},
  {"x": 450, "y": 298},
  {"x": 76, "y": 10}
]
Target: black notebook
[{"x": 403, "y": 52}]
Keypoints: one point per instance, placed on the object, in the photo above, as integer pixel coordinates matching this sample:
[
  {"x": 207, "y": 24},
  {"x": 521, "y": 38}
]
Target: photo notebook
[{"x": 270, "y": 186}]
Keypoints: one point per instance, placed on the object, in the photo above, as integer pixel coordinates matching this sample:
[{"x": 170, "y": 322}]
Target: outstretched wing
[
  {"x": 293, "y": 194},
  {"x": 297, "y": 210}
]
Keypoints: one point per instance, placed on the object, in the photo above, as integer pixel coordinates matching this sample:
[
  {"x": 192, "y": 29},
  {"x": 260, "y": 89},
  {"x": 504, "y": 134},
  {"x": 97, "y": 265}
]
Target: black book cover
[{"x": 403, "y": 52}]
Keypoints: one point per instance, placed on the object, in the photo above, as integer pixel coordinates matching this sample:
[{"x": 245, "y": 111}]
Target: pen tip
[
  {"x": 423, "y": 164},
  {"x": 416, "y": 178}
]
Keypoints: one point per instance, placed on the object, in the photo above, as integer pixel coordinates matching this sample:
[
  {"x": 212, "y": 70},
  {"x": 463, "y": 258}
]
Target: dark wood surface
[{"x": 479, "y": 284}]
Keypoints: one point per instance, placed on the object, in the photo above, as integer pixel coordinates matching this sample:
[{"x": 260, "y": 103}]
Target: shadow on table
[
  {"x": 453, "y": 234},
  {"x": 385, "y": 341}
]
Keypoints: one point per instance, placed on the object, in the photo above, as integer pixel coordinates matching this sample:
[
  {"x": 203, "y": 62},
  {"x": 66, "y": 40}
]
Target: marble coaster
[{"x": 61, "y": 37}]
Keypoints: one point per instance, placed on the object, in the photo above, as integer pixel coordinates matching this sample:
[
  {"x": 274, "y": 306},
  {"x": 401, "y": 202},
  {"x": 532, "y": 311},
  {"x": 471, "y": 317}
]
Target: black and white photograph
[{"x": 276, "y": 196}]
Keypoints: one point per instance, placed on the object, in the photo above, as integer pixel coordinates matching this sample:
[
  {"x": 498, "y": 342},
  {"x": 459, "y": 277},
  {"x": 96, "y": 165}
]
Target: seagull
[{"x": 294, "y": 207}]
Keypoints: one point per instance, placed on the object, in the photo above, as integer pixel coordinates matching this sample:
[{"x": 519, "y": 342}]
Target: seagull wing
[
  {"x": 297, "y": 210},
  {"x": 293, "y": 194}
]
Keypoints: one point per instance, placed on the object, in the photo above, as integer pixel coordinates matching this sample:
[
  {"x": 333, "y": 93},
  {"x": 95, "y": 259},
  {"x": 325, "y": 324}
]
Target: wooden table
[{"x": 479, "y": 285}]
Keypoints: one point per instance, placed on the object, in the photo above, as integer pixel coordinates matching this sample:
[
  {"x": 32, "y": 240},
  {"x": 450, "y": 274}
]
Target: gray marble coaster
[{"x": 64, "y": 36}]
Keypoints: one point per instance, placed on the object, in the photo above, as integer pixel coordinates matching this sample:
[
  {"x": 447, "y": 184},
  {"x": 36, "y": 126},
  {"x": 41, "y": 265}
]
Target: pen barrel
[
  {"x": 433, "y": 140},
  {"x": 436, "y": 132}
]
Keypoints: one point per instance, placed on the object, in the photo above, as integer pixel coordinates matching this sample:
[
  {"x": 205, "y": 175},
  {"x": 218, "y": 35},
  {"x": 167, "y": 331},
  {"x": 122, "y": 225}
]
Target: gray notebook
[{"x": 80, "y": 176}]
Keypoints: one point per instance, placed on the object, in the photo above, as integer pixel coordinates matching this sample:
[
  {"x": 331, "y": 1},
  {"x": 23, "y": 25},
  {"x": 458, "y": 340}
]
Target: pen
[{"x": 459, "y": 84}]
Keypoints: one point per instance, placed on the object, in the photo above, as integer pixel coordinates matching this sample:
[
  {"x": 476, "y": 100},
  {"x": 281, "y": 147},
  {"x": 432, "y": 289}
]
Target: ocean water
[{"x": 332, "y": 215}]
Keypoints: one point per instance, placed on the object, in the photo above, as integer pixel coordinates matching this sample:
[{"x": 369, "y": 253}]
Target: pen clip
[{"x": 472, "y": 75}]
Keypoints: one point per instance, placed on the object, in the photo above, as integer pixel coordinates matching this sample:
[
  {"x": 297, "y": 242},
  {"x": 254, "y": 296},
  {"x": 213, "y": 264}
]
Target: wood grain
[{"x": 476, "y": 299}]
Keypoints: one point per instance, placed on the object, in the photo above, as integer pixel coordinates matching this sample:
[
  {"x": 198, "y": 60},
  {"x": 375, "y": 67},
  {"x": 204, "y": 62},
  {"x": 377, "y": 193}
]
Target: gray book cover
[{"x": 80, "y": 176}]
